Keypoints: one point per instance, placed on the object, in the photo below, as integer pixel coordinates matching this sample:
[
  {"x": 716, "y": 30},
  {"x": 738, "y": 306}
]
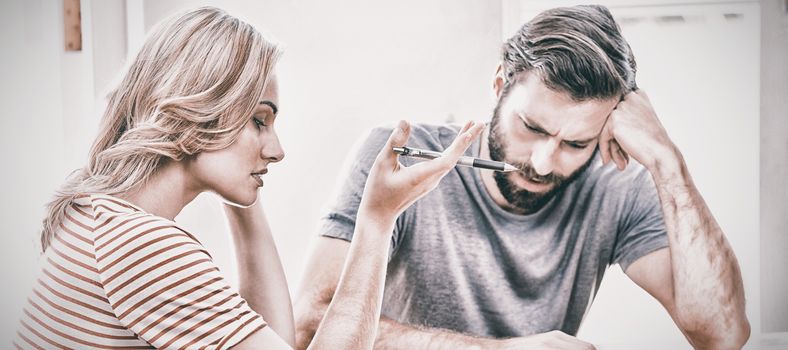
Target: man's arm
[
  {"x": 317, "y": 289},
  {"x": 697, "y": 279},
  {"x": 320, "y": 278}
]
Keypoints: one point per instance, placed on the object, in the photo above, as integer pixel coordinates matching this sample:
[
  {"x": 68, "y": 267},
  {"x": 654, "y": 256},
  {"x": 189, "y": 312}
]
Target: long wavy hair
[{"x": 191, "y": 88}]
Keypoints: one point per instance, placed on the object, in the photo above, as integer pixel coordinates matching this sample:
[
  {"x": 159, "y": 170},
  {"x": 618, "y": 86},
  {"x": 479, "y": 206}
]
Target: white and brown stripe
[{"x": 116, "y": 277}]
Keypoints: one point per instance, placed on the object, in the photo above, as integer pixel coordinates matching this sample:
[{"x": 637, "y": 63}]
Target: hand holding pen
[
  {"x": 463, "y": 160},
  {"x": 392, "y": 187}
]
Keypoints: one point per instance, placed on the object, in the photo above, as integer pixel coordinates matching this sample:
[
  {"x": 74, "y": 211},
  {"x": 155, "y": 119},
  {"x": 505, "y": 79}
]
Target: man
[{"x": 513, "y": 260}]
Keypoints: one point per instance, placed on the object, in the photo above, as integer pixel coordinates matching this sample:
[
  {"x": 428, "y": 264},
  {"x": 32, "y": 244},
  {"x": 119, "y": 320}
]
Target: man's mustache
[{"x": 528, "y": 172}]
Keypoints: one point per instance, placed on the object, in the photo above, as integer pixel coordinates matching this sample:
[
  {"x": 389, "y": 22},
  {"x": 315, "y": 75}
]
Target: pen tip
[{"x": 509, "y": 167}]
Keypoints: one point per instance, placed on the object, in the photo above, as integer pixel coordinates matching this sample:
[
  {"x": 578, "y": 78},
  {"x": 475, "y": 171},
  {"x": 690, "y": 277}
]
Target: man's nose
[{"x": 542, "y": 157}]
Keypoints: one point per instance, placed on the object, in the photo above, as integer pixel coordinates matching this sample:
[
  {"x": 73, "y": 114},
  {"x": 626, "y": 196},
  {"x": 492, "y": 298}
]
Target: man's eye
[
  {"x": 577, "y": 145},
  {"x": 533, "y": 130}
]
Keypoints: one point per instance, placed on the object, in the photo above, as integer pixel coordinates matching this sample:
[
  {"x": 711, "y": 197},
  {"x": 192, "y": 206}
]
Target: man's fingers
[
  {"x": 617, "y": 154},
  {"x": 604, "y": 151},
  {"x": 624, "y": 153},
  {"x": 570, "y": 342},
  {"x": 604, "y": 143}
]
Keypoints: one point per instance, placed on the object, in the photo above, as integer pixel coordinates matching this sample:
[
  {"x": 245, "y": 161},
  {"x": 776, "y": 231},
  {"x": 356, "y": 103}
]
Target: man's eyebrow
[
  {"x": 536, "y": 126},
  {"x": 533, "y": 124},
  {"x": 270, "y": 104},
  {"x": 581, "y": 141}
]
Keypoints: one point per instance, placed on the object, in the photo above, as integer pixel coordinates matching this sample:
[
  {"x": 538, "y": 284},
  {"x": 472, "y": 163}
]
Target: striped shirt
[{"x": 117, "y": 277}]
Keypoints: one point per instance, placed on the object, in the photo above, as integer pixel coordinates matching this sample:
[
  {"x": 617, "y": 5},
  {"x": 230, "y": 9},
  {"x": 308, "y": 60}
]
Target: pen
[{"x": 464, "y": 160}]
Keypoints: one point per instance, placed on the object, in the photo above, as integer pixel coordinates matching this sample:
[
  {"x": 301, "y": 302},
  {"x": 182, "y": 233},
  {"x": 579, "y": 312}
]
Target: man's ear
[{"x": 498, "y": 81}]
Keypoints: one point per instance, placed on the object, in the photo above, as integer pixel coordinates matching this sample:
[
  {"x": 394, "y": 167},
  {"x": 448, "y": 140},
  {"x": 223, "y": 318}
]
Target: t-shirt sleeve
[
  {"x": 340, "y": 218},
  {"x": 163, "y": 285},
  {"x": 642, "y": 229}
]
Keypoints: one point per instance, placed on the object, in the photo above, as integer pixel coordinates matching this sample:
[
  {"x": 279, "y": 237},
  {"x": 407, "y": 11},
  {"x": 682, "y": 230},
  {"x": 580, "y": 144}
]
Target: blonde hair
[{"x": 192, "y": 87}]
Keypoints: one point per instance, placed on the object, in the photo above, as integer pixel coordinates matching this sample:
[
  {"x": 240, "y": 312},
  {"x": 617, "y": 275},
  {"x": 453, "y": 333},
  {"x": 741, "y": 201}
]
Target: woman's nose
[{"x": 272, "y": 150}]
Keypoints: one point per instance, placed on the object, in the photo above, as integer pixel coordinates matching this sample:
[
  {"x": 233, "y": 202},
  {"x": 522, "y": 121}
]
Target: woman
[{"x": 196, "y": 112}]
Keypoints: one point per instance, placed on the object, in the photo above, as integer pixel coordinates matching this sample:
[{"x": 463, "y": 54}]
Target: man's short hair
[{"x": 578, "y": 50}]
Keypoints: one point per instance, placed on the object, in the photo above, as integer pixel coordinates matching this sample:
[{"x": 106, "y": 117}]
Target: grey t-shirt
[{"x": 458, "y": 261}]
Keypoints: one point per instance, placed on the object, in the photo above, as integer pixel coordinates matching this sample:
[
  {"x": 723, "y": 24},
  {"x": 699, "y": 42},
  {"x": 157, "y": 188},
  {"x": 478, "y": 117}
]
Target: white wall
[
  {"x": 48, "y": 99},
  {"x": 774, "y": 166},
  {"x": 31, "y": 137}
]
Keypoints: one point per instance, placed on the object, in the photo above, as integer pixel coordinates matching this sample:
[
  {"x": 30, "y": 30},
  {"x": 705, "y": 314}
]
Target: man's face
[{"x": 546, "y": 134}]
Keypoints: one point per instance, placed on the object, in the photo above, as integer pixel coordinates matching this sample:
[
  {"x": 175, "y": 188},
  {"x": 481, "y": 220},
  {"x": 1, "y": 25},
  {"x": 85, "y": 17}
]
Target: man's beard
[{"x": 522, "y": 201}]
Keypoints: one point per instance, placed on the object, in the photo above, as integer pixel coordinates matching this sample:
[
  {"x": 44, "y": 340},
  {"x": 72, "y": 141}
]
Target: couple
[{"x": 469, "y": 258}]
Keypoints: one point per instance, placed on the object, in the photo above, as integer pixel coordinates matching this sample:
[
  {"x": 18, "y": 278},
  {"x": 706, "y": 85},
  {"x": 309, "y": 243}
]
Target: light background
[{"x": 715, "y": 72}]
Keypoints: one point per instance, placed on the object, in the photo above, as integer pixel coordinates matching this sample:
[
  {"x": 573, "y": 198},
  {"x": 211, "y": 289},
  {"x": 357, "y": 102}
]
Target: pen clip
[
  {"x": 415, "y": 152},
  {"x": 402, "y": 150}
]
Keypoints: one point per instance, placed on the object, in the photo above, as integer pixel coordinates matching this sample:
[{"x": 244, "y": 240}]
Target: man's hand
[
  {"x": 395, "y": 336},
  {"x": 555, "y": 340},
  {"x": 701, "y": 287},
  {"x": 633, "y": 129}
]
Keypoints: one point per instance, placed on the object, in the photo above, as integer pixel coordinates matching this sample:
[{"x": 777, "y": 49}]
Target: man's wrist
[
  {"x": 668, "y": 166},
  {"x": 408, "y": 336}
]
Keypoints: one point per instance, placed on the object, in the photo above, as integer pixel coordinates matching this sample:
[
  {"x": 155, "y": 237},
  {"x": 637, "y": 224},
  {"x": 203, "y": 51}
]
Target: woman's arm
[
  {"x": 351, "y": 320},
  {"x": 261, "y": 278}
]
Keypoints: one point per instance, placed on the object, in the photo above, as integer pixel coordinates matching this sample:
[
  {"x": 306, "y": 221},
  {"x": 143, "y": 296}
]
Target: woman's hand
[
  {"x": 352, "y": 318},
  {"x": 392, "y": 187}
]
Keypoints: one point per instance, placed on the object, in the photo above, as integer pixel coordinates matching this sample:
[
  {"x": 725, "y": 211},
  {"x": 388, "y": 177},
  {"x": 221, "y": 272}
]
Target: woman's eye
[
  {"x": 577, "y": 145},
  {"x": 258, "y": 123}
]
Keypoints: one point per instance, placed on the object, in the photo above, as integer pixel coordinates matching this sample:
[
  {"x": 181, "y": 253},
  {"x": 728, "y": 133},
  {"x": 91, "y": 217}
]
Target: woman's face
[{"x": 236, "y": 172}]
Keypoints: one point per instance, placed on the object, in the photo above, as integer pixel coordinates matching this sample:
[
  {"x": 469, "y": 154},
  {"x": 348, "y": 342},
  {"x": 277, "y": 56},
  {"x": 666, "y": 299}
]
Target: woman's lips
[{"x": 258, "y": 176}]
